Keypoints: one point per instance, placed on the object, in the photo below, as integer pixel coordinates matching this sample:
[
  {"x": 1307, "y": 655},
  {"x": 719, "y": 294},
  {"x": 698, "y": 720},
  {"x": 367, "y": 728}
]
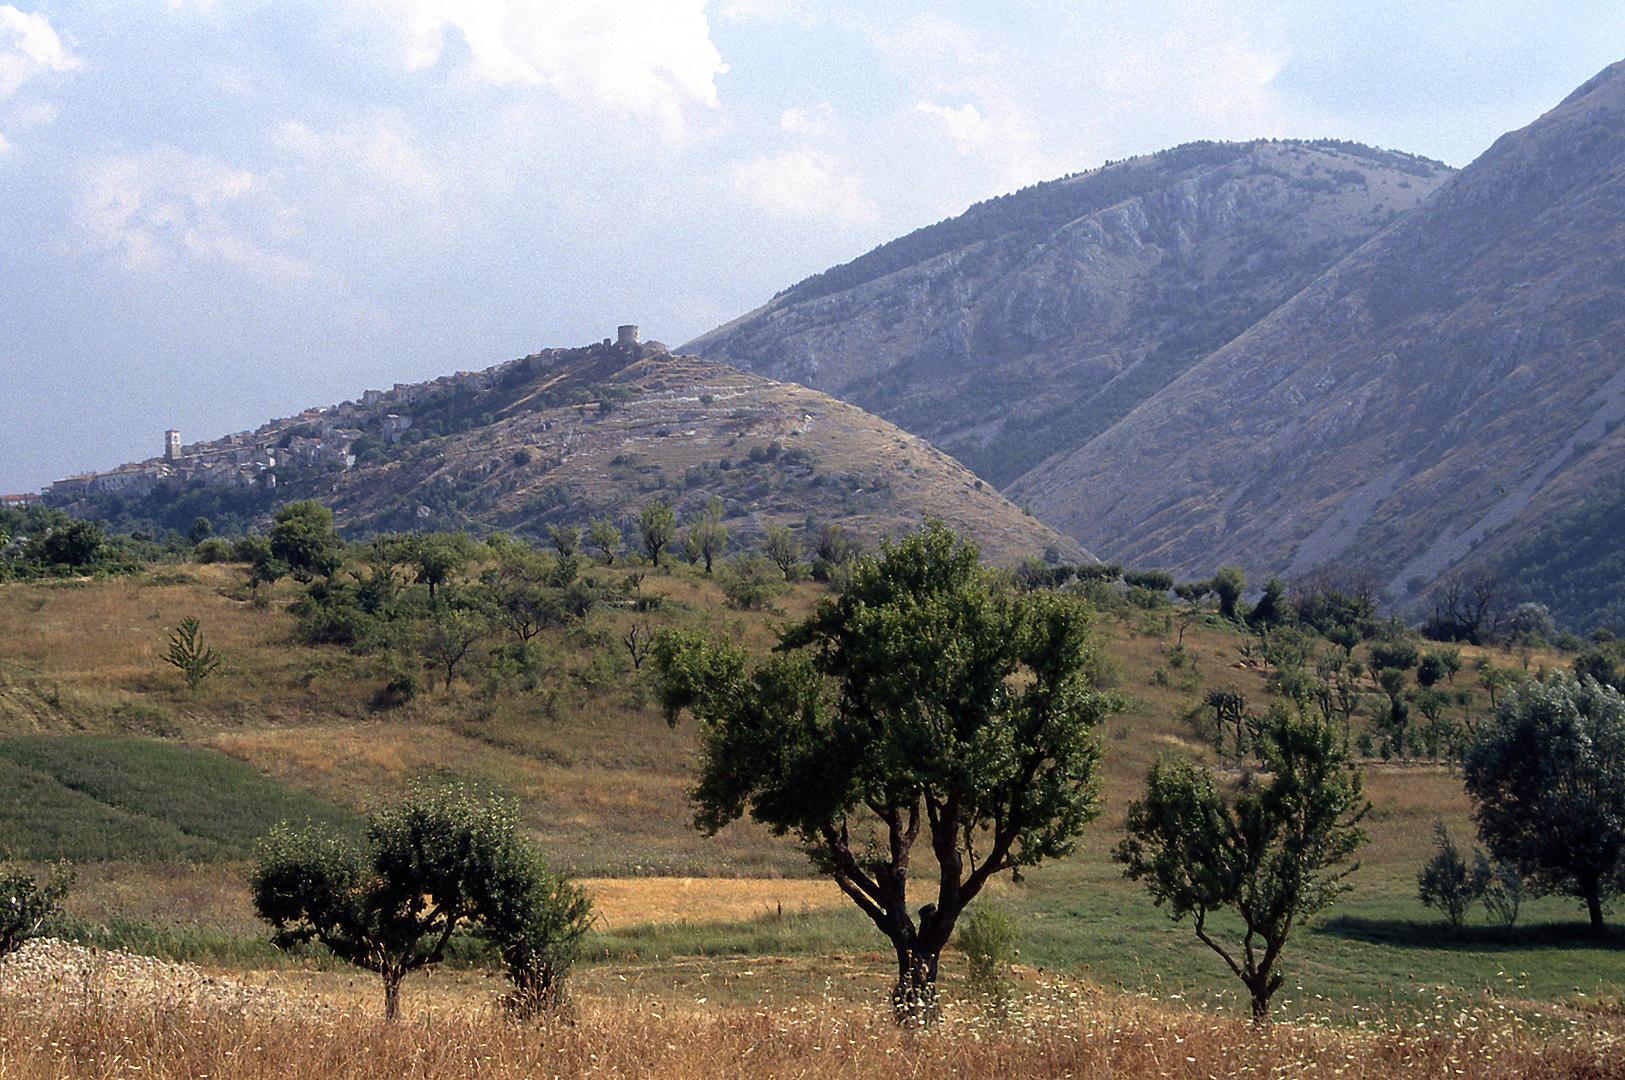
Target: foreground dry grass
[
  {"x": 67, "y": 1013},
  {"x": 1066, "y": 1036}
]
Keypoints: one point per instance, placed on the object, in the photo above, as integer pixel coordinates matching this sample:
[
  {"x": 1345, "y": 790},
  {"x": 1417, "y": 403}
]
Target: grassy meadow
[{"x": 711, "y": 954}]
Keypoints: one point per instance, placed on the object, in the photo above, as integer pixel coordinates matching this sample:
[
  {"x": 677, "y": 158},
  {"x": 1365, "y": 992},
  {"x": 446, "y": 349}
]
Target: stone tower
[
  {"x": 626, "y": 335},
  {"x": 172, "y": 445}
]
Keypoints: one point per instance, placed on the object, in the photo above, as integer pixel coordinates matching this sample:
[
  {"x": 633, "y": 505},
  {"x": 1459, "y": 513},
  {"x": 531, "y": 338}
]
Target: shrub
[
  {"x": 188, "y": 654},
  {"x": 25, "y": 904},
  {"x": 988, "y": 938},
  {"x": 1444, "y": 881}
]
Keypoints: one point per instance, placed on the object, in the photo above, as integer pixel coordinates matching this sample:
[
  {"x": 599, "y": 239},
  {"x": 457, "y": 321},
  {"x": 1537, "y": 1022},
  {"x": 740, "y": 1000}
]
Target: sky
[{"x": 218, "y": 212}]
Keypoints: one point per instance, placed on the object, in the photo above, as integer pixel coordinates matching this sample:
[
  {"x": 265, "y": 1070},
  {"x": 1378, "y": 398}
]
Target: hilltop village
[{"x": 318, "y": 438}]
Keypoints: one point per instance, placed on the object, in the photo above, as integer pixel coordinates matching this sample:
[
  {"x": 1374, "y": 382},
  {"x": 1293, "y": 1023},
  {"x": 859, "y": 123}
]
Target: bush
[
  {"x": 988, "y": 938},
  {"x": 25, "y": 904},
  {"x": 1445, "y": 882}
]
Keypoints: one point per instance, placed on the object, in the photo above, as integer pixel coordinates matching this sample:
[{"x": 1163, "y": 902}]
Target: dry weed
[{"x": 1060, "y": 1031}]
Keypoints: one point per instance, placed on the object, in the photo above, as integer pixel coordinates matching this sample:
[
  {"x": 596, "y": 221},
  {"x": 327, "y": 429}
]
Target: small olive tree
[
  {"x": 437, "y": 862},
  {"x": 1277, "y": 850}
]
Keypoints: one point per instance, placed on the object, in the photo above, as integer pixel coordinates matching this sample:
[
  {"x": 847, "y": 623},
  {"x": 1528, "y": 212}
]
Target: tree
[
  {"x": 780, "y": 546},
  {"x": 929, "y": 697},
  {"x": 438, "y": 861},
  {"x": 438, "y": 557},
  {"x": 1547, "y": 777},
  {"x": 1228, "y": 585},
  {"x": 1445, "y": 881},
  {"x": 189, "y": 655},
  {"x": 657, "y": 524},
  {"x": 1277, "y": 850},
  {"x": 303, "y": 543},
  {"x": 76, "y": 545},
  {"x": 25, "y": 904},
  {"x": 448, "y": 635},
  {"x": 606, "y": 537},
  {"x": 709, "y": 534}
]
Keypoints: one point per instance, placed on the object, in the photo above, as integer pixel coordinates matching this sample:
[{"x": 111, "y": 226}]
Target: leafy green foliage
[
  {"x": 657, "y": 524},
  {"x": 1276, "y": 851},
  {"x": 1547, "y": 779},
  {"x": 1446, "y": 881},
  {"x": 25, "y": 904},
  {"x": 438, "y": 861},
  {"x": 927, "y": 696},
  {"x": 303, "y": 543},
  {"x": 189, "y": 655},
  {"x": 988, "y": 939}
]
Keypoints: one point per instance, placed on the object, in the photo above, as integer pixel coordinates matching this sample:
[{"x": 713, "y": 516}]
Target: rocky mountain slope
[
  {"x": 567, "y": 435},
  {"x": 1033, "y": 322},
  {"x": 1432, "y": 404}
]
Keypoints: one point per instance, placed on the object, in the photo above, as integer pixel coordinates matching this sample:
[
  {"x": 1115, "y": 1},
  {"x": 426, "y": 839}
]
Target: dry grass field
[{"x": 112, "y": 1030}]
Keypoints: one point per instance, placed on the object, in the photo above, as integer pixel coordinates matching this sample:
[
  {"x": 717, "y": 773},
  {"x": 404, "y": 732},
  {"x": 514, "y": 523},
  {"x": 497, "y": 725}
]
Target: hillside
[
  {"x": 1440, "y": 402},
  {"x": 98, "y": 728},
  {"x": 567, "y": 435},
  {"x": 1033, "y": 322}
]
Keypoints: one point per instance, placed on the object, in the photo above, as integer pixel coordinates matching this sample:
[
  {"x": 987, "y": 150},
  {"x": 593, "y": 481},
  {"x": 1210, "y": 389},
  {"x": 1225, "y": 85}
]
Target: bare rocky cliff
[
  {"x": 1034, "y": 322},
  {"x": 1418, "y": 409}
]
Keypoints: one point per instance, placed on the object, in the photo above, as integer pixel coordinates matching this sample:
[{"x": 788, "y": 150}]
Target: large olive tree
[
  {"x": 929, "y": 698},
  {"x": 1547, "y": 777}
]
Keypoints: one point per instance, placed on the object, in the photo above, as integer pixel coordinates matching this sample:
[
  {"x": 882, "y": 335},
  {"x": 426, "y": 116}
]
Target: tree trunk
[
  {"x": 1594, "y": 907},
  {"x": 392, "y": 993},
  {"x": 914, "y": 997}
]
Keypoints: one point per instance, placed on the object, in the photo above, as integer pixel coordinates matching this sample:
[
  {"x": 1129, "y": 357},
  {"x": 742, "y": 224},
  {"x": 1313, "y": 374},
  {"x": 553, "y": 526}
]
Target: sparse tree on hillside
[
  {"x": 927, "y": 697},
  {"x": 606, "y": 538},
  {"x": 709, "y": 534},
  {"x": 1277, "y": 850},
  {"x": 780, "y": 546},
  {"x": 1228, "y": 585},
  {"x": 438, "y": 557},
  {"x": 658, "y": 526},
  {"x": 189, "y": 655}
]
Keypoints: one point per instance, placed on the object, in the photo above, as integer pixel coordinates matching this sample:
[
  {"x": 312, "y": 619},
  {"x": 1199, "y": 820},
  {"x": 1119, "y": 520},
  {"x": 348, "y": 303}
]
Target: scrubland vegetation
[{"x": 728, "y": 954}]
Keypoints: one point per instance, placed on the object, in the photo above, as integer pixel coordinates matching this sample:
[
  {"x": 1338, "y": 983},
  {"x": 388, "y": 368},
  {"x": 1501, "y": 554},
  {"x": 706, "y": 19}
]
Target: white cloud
[
  {"x": 818, "y": 120},
  {"x": 28, "y": 47},
  {"x": 805, "y": 183},
  {"x": 966, "y": 124},
  {"x": 647, "y": 57},
  {"x": 381, "y": 152},
  {"x": 164, "y": 209}
]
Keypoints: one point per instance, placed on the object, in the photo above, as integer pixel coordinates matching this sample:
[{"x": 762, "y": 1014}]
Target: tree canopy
[
  {"x": 929, "y": 696},
  {"x": 438, "y": 861},
  {"x": 1275, "y": 850},
  {"x": 1547, "y": 777}
]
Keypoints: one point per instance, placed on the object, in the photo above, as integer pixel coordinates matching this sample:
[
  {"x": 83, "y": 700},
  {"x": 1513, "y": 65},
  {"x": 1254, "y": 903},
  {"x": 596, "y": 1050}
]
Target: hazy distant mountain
[
  {"x": 1032, "y": 322},
  {"x": 567, "y": 435},
  {"x": 1448, "y": 397}
]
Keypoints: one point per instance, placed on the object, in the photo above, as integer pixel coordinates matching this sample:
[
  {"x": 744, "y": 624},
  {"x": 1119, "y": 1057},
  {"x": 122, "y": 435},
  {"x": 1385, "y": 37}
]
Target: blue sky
[{"x": 218, "y": 212}]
